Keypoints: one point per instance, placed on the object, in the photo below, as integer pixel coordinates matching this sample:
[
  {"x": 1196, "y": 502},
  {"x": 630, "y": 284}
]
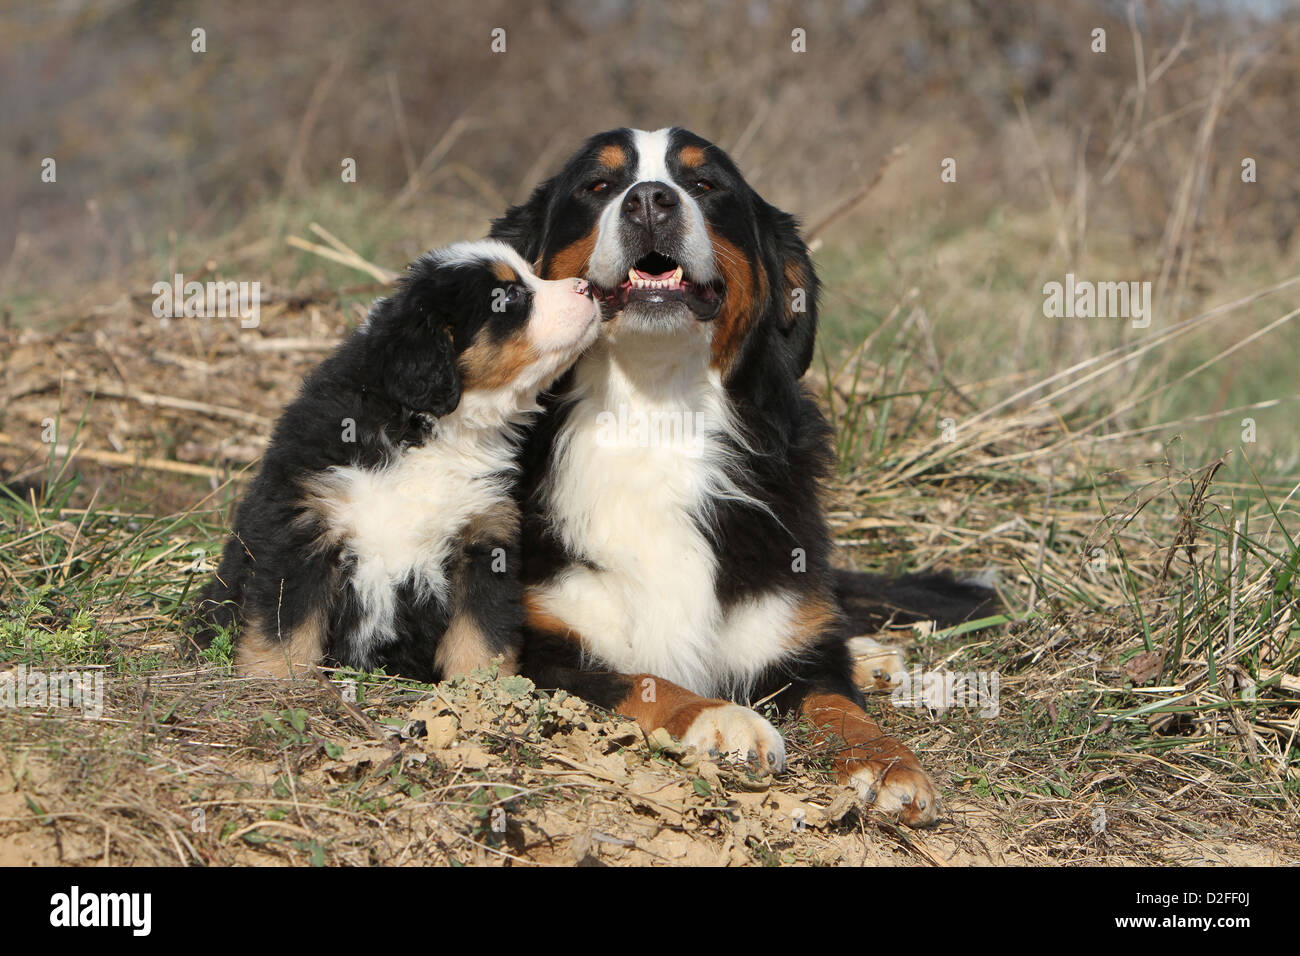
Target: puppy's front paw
[
  {"x": 734, "y": 731},
  {"x": 895, "y": 785}
]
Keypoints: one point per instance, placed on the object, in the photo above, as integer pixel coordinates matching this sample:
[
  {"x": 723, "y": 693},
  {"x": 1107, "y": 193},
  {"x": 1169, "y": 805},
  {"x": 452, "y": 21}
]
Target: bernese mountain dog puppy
[
  {"x": 676, "y": 556},
  {"x": 381, "y": 531}
]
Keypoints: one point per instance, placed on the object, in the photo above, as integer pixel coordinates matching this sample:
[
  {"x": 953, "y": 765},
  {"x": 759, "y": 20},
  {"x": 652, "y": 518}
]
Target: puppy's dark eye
[{"x": 508, "y": 297}]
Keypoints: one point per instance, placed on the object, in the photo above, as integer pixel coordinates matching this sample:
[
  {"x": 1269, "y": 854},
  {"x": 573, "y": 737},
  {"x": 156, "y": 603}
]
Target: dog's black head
[
  {"x": 474, "y": 317},
  {"x": 670, "y": 235}
]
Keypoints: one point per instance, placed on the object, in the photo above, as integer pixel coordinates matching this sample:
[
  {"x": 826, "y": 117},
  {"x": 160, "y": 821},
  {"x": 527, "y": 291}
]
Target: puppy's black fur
[{"x": 284, "y": 578}]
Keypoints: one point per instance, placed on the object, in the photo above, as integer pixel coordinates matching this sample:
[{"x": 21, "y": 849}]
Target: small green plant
[
  {"x": 287, "y": 727},
  {"x": 221, "y": 651}
]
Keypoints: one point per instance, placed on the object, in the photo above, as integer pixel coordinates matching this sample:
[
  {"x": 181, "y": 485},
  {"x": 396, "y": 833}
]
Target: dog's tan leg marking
[
  {"x": 463, "y": 648},
  {"x": 883, "y": 771},
  {"x": 258, "y": 654},
  {"x": 706, "y": 723},
  {"x": 709, "y": 724},
  {"x": 815, "y": 615}
]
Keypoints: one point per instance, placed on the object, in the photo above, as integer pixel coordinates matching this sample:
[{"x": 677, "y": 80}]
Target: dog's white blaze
[
  {"x": 607, "y": 265},
  {"x": 650, "y": 605},
  {"x": 652, "y": 154}
]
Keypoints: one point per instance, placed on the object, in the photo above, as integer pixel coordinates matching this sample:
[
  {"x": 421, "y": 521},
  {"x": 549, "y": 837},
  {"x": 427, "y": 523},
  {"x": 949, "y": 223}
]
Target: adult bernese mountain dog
[
  {"x": 381, "y": 530},
  {"x": 676, "y": 556}
]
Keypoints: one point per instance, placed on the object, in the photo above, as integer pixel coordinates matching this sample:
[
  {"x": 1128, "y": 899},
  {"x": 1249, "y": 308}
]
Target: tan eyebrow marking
[
  {"x": 612, "y": 156},
  {"x": 692, "y": 156},
  {"x": 503, "y": 272}
]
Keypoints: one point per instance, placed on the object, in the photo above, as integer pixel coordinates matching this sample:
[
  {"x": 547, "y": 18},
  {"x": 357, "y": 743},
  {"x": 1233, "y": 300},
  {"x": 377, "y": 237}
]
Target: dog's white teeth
[{"x": 639, "y": 282}]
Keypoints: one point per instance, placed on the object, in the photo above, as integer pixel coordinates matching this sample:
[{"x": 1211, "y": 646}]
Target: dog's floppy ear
[
  {"x": 524, "y": 226},
  {"x": 413, "y": 355},
  {"x": 795, "y": 285},
  {"x": 421, "y": 371}
]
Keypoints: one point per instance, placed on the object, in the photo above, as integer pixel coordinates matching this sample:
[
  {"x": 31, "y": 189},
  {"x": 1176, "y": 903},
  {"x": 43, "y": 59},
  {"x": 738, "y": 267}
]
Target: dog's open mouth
[{"x": 659, "y": 279}]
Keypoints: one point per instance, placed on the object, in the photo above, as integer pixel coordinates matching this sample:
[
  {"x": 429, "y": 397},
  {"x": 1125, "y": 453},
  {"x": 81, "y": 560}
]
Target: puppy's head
[
  {"x": 473, "y": 317},
  {"x": 673, "y": 239}
]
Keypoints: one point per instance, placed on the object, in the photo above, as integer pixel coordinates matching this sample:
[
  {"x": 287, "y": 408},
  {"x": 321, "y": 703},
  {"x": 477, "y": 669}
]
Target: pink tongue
[{"x": 660, "y": 276}]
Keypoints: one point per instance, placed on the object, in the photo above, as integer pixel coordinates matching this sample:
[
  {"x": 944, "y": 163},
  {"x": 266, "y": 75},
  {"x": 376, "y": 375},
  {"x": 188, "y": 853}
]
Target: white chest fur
[
  {"x": 641, "y": 458},
  {"x": 399, "y": 523}
]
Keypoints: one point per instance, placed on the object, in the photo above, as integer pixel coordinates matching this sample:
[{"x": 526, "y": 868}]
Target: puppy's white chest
[
  {"x": 402, "y": 519},
  {"x": 398, "y": 524}
]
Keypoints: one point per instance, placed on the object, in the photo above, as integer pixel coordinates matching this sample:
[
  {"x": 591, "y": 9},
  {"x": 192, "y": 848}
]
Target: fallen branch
[
  {"x": 347, "y": 259},
  {"x": 119, "y": 460},
  {"x": 152, "y": 400}
]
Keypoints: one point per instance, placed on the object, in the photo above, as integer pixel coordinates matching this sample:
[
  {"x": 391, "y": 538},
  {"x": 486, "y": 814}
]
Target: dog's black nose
[{"x": 651, "y": 205}]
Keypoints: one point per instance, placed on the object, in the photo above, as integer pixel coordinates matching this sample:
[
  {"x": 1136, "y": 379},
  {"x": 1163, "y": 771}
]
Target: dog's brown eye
[
  {"x": 703, "y": 184},
  {"x": 508, "y": 297},
  {"x": 599, "y": 186}
]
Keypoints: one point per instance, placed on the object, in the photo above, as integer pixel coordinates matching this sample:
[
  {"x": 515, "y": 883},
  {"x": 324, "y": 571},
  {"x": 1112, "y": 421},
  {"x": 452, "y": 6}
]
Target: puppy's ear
[
  {"x": 421, "y": 372},
  {"x": 796, "y": 287},
  {"x": 413, "y": 355},
  {"x": 524, "y": 226}
]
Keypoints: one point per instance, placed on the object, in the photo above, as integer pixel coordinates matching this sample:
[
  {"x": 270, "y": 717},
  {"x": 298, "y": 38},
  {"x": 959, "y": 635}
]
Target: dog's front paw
[
  {"x": 724, "y": 729},
  {"x": 876, "y": 666},
  {"x": 895, "y": 785}
]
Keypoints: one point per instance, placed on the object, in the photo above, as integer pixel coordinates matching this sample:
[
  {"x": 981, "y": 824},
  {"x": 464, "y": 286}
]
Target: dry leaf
[{"x": 1145, "y": 666}]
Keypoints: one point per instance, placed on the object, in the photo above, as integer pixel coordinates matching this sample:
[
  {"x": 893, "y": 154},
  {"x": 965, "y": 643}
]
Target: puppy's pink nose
[{"x": 580, "y": 286}]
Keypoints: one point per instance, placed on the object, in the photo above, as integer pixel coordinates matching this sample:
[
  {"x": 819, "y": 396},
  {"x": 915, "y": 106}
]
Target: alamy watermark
[
  {"x": 133, "y": 911},
  {"x": 678, "y": 429},
  {"x": 74, "y": 689},
  {"x": 942, "y": 690},
  {"x": 208, "y": 300},
  {"x": 1098, "y": 300}
]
